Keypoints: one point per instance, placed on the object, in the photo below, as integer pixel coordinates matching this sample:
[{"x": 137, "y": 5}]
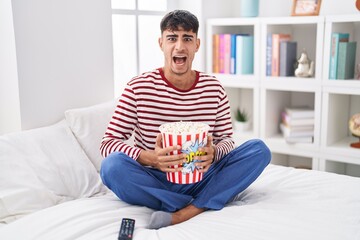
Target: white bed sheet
[{"x": 284, "y": 203}]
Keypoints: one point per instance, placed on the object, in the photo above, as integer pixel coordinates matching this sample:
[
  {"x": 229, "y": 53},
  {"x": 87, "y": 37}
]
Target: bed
[{"x": 50, "y": 189}]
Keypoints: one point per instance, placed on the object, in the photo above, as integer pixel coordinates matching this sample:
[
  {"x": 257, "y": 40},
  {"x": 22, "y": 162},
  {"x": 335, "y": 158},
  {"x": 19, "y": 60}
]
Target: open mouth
[{"x": 179, "y": 59}]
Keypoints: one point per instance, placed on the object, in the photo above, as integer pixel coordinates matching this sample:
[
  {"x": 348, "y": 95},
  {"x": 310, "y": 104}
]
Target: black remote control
[{"x": 126, "y": 229}]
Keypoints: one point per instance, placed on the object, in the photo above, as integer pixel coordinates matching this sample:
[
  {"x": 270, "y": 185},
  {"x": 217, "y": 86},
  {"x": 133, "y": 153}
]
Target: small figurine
[{"x": 305, "y": 67}]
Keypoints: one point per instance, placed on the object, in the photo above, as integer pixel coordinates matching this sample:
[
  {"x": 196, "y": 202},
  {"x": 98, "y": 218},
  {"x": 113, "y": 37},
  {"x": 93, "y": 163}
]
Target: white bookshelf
[
  {"x": 243, "y": 90},
  {"x": 265, "y": 97}
]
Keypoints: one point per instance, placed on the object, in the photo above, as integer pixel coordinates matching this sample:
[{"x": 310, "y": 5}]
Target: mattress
[{"x": 283, "y": 203}]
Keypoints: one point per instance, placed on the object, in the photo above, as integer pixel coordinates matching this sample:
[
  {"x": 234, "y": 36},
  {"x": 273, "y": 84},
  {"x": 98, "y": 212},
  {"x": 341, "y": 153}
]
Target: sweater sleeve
[
  {"x": 121, "y": 127},
  {"x": 223, "y": 131}
]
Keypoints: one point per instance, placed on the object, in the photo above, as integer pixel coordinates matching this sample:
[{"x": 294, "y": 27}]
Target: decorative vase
[
  {"x": 249, "y": 8},
  {"x": 241, "y": 126}
]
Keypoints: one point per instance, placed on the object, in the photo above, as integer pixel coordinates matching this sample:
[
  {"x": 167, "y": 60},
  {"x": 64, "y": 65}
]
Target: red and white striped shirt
[{"x": 150, "y": 100}]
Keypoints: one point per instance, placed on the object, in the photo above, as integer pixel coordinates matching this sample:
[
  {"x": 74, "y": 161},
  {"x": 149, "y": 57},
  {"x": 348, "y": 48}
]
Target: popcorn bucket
[{"x": 190, "y": 136}]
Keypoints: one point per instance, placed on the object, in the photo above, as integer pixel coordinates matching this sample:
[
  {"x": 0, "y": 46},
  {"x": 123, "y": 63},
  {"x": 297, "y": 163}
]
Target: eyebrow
[{"x": 176, "y": 35}]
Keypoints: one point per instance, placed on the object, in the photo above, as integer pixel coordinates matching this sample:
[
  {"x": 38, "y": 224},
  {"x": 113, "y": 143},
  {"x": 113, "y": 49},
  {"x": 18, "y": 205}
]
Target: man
[{"x": 175, "y": 92}]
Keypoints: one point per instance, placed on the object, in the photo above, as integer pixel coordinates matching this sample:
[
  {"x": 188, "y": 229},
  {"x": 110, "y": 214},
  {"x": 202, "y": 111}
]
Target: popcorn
[
  {"x": 190, "y": 136},
  {"x": 183, "y": 127}
]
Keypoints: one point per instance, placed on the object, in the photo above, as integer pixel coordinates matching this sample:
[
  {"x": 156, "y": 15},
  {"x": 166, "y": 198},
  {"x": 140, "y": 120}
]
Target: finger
[
  {"x": 209, "y": 145},
  {"x": 172, "y": 166},
  {"x": 170, "y": 160},
  {"x": 209, "y": 140},
  {"x": 204, "y": 168},
  {"x": 170, "y": 169},
  {"x": 159, "y": 140},
  {"x": 204, "y": 158},
  {"x": 170, "y": 151},
  {"x": 203, "y": 164}
]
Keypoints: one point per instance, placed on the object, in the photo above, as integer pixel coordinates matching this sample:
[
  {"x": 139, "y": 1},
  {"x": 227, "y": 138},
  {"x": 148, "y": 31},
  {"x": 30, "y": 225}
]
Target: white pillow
[
  {"x": 89, "y": 125},
  {"x": 43, "y": 167}
]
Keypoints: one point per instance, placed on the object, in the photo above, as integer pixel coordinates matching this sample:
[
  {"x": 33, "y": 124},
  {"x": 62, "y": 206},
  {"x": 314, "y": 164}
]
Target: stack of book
[
  {"x": 233, "y": 53},
  {"x": 298, "y": 124},
  {"x": 280, "y": 55},
  {"x": 342, "y": 57}
]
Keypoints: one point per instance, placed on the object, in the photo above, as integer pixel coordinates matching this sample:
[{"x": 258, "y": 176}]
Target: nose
[{"x": 179, "y": 45}]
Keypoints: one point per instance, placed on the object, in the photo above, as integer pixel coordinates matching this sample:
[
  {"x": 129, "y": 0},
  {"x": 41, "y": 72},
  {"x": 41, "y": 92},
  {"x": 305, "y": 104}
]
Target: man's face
[{"x": 179, "y": 48}]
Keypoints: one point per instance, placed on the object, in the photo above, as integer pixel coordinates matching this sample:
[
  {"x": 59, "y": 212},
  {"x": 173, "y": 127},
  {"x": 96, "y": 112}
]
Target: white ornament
[{"x": 305, "y": 68}]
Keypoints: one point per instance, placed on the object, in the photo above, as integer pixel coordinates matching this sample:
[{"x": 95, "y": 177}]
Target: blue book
[
  {"x": 268, "y": 54},
  {"x": 336, "y": 38},
  {"x": 233, "y": 54},
  {"x": 244, "y": 54}
]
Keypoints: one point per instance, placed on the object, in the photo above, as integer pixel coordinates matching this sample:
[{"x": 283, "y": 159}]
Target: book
[
  {"x": 275, "y": 62},
  {"x": 248, "y": 55},
  {"x": 308, "y": 139},
  {"x": 244, "y": 54},
  {"x": 336, "y": 38},
  {"x": 292, "y": 122},
  {"x": 299, "y": 128},
  {"x": 227, "y": 53},
  {"x": 233, "y": 54},
  {"x": 221, "y": 53},
  {"x": 300, "y": 112},
  {"x": 216, "y": 53},
  {"x": 346, "y": 60},
  {"x": 268, "y": 54},
  {"x": 287, "y": 58},
  {"x": 296, "y": 132}
]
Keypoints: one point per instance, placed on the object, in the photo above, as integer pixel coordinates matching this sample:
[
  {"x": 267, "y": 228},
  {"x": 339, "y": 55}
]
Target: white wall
[
  {"x": 64, "y": 57},
  {"x": 9, "y": 95}
]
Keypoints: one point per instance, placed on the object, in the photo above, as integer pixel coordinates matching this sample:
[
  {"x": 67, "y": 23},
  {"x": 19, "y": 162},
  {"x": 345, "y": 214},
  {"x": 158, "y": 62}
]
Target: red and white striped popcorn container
[{"x": 190, "y": 136}]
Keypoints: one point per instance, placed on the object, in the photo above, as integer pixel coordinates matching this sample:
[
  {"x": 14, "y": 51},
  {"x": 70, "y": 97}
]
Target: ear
[
  {"x": 197, "y": 44},
  {"x": 160, "y": 43}
]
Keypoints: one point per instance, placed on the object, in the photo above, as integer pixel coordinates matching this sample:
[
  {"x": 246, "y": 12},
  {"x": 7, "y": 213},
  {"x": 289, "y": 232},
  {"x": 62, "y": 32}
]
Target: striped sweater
[{"x": 150, "y": 100}]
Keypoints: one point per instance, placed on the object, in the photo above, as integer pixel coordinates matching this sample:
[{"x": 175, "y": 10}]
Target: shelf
[
  {"x": 275, "y": 101},
  {"x": 340, "y": 165},
  {"x": 231, "y": 80},
  {"x": 278, "y": 144},
  {"x": 249, "y": 26},
  {"x": 294, "y": 161},
  {"x": 337, "y": 110},
  {"x": 291, "y": 84},
  {"x": 307, "y": 32},
  {"x": 344, "y": 24},
  {"x": 246, "y": 99},
  {"x": 292, "y": 20},
  {"x": 265, "y": 97},
  {"x": 342, "y": 147},
  {"x": 339, "y": 86},
  {"x": 232, "y": 21}
]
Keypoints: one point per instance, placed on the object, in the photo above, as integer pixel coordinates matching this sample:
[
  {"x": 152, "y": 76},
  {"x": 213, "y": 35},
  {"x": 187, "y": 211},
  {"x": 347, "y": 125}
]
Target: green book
[
  {"x": 336, "y": 38},
  {"x": 346, "y": 60}
]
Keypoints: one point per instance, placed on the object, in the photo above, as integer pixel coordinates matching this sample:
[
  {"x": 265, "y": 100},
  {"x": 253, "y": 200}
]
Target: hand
[
  {"x": 161, "y": 159},
  {"x": 207, "y": 159}
]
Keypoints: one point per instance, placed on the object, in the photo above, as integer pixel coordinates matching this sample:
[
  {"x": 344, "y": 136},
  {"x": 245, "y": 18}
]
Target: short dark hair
[{"x": 179, "y": 19}]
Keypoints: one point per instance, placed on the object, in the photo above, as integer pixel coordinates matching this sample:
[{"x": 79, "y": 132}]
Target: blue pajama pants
[{"x": 139, "y": 185}]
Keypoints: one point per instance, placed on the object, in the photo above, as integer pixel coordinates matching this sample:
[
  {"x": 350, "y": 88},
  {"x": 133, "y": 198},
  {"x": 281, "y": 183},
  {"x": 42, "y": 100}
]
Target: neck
[{"x": 181, "y": 81}]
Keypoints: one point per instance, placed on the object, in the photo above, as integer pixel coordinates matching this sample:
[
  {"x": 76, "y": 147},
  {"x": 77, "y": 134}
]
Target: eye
[
  {"x": 171, "y": 39},
  {"x": 188, "y": 39}
]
